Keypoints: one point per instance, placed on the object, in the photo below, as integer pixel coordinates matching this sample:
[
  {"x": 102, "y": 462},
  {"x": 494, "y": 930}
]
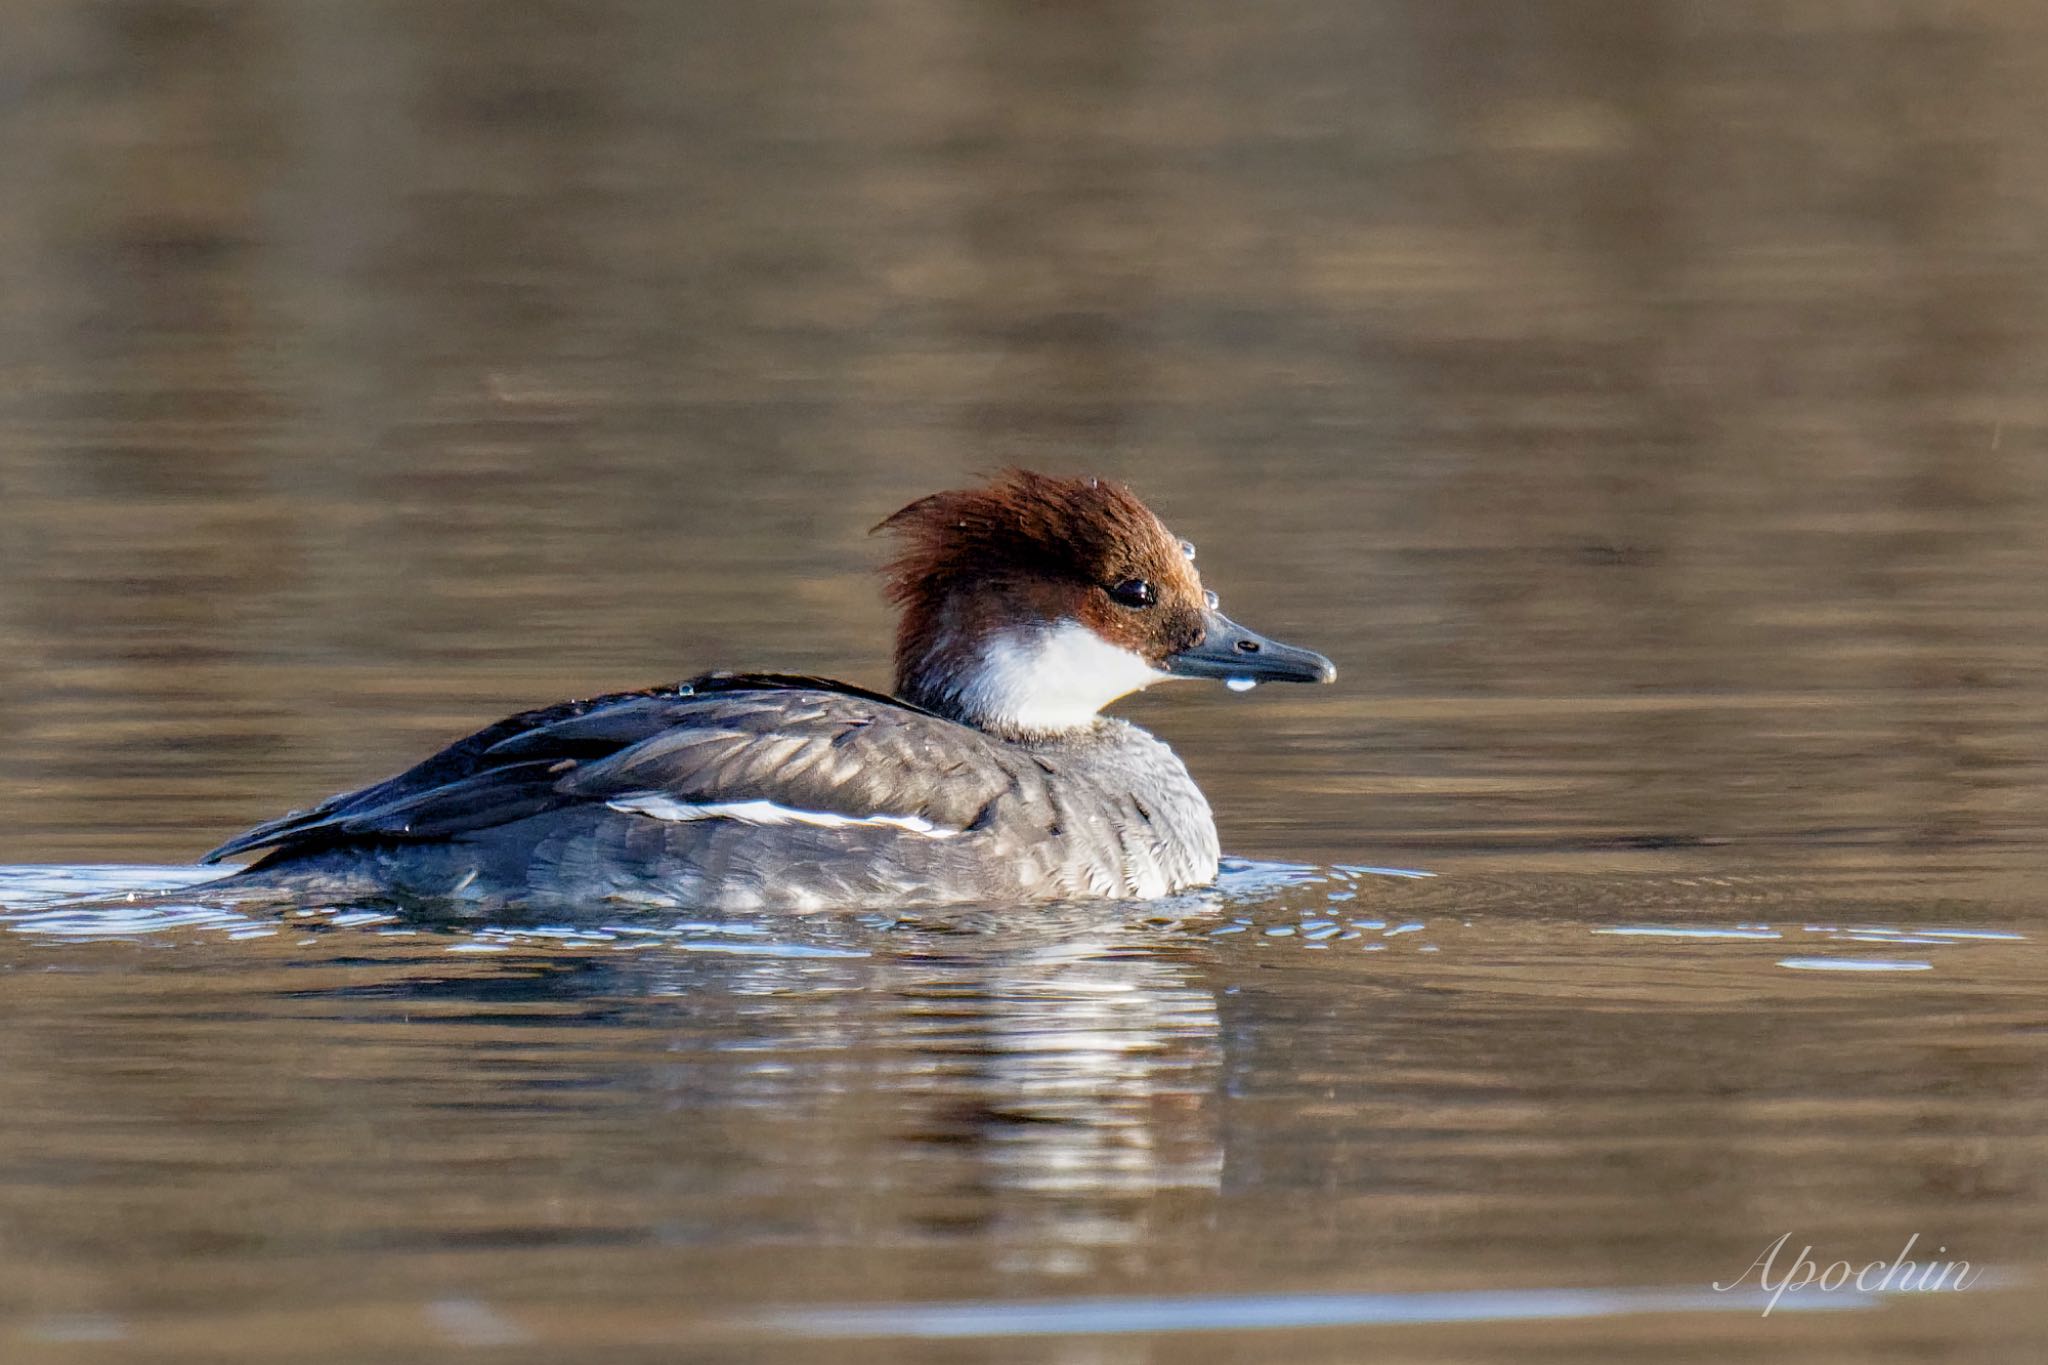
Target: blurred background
[{"x": 1643, "y": 402}]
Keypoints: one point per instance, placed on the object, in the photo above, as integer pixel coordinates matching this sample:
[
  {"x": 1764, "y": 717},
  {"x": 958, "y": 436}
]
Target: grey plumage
[{"x": 644, "y": 797}]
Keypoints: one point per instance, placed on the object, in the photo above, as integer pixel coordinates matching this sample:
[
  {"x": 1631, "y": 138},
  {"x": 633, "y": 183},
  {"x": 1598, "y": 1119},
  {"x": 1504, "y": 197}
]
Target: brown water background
[{"x": 1644, "y": 403}]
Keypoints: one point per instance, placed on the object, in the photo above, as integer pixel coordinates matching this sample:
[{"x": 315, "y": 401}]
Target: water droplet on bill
[{"x": 1240, "y": 684}]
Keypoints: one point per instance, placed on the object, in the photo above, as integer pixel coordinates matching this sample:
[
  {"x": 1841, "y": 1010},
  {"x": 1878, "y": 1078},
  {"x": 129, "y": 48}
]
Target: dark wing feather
[
  {"x": 804, "y": 742},
  {"x": 468, "y": 759}
]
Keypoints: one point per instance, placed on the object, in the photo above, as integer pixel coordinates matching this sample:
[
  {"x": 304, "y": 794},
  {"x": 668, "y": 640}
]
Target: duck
[{"x": 987, "y": 774}]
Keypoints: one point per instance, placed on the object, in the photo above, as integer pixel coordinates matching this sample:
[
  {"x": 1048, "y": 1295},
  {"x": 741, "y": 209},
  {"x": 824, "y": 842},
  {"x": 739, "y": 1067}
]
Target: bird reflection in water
[{"x": 1036, "y": 1087}]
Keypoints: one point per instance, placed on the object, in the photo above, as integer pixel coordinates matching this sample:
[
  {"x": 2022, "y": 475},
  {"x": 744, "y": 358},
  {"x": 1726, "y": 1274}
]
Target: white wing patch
[{"x": 661, "y": 807}]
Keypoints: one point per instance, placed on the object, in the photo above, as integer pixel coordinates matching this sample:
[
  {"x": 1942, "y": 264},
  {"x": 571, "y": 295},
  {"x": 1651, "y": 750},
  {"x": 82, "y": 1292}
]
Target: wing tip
[{"x": 222, "y": 852}]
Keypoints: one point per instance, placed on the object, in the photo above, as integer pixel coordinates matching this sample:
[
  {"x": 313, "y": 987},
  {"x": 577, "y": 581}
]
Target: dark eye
[{"x": 1133, "y": 592}]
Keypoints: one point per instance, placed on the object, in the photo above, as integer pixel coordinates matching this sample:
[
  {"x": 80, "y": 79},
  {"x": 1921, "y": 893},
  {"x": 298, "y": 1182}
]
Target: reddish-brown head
[
  {"x": 1033, "y": 601},
  {"x": 1031, "y": 548}
]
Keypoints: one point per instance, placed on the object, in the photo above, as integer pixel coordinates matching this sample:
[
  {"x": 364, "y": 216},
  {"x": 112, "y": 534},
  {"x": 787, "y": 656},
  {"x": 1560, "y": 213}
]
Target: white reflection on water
[
  {"x": 1826, "y": 933},
  {"x": 33, "y": 901},
  {"x": 1679, "y": 931},
  {"x": 1081, "y": 1044},
  {"x": 125, "y": 901},
  {"x": 1254, "y": 1312}
]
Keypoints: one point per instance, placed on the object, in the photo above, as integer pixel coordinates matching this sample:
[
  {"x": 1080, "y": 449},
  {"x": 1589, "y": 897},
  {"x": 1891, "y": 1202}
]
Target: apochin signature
[{"x": 1873, "y": 1277}]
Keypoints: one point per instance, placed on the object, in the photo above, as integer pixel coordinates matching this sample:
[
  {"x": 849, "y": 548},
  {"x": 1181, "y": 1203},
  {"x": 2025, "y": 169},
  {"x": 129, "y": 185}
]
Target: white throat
[{"x": 1045, "y": 679}]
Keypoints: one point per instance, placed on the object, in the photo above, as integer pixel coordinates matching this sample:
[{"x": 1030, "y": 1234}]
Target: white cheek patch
[
  {"x": 762, "y": 812},
  {"x": 1050, "y": 678}
]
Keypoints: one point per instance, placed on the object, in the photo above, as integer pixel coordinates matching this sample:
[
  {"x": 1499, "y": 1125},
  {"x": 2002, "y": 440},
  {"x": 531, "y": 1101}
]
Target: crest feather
[{"x": 1077, "y": 529}]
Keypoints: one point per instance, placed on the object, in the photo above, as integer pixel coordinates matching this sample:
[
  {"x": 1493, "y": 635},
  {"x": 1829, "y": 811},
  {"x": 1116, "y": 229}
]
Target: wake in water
[
  {"x": 115, "y": 902},
  {"x": 1479, "y": 923}
]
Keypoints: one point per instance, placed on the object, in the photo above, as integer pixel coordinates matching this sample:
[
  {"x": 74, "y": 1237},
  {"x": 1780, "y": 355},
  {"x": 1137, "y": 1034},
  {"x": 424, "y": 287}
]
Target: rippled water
[
  {"x": 1314, "y": 1099},
  {"x": 1642, "y": 404}
]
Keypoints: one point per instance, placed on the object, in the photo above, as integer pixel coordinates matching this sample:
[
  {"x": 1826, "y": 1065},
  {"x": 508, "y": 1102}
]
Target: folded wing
[{"x": 768, "y": 746}]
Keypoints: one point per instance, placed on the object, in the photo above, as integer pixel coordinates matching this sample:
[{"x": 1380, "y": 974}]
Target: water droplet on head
[
  {"x": 1187, "y": 547},
  {"x": 1240, "y": 684},
  {"x": 1212, "y": 599}
]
